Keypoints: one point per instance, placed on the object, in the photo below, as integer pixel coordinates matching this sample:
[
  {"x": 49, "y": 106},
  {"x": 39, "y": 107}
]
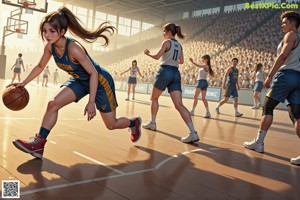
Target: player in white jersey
[
  {"x": 257, "y": 76},
  {"x": 169, "y": 77},
  {"x": 134, "y": 69},
  {"x": 202, "y": 84},
  {"x": 17, "y": 68},
  {"x": 286, "y": 83},
  {"x": 46, "y": 76}
]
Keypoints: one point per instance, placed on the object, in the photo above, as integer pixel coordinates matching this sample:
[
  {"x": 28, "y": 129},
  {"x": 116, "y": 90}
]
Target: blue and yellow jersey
[
  {"x": 65, "y": 63},
  {"x": 233, "y": 76}
]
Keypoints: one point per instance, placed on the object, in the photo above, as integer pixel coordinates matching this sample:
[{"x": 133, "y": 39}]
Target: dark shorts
[
  {"x": 17, "y": 70},
  {"x": 202, "y": 84},
  {"x": 168, "y": 77},
  {"x": 285, "y": 86},
  {"x": 131, "y": 80},
  {"x": 45, "y": 76},
  {"x": 231, "y": 91},
  {"x": 105, "y": 97},
  {"x": 258, "y": 86}
]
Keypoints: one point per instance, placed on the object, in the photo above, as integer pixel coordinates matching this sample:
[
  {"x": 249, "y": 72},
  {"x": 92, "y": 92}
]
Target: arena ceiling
[{"x": 151, "y": 11}]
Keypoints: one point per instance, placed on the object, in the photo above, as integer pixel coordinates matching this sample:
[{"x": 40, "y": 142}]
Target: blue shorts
[
  {"x": 285, "y": 86},
  {"x": 131, "y": 80},
  {"x": 231, "y": 91},
  {"x": 17, "y": 70},
  {"x": 168, "y": 77},
  {"x": 258, "y": 86},
  {"x": 105, "y": 96},
  {"x": 202, "y": 84}
]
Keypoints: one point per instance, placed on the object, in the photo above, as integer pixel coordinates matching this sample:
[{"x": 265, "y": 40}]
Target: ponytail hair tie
[{"x": 61, "y": 12}]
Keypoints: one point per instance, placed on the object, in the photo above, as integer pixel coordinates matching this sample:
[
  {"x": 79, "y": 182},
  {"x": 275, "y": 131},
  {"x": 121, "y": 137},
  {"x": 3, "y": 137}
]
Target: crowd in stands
[{"x": 248, "y": 39}]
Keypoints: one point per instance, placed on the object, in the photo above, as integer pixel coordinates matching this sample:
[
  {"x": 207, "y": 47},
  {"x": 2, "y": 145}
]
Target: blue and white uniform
[
  {"x": 17, "y": 68},
  {"x": 286, "y": 83},
  {"x": 202, "y": 82},
  {"x": 259, "y": 81},
  {"x": 231, "y": 89},
  {"x": 79, "y": 82},
  {"x": 132, "y": 76},
  {"x": 168, "y": 75}
]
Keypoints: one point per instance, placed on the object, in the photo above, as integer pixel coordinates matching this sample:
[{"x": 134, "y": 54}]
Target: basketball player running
[
  {"x": 169, "y": 77},
  {"x": 258, "y": 85},
  {"x": 286, "y": 83},
  {"x": 17, "y": 68},
  {"x": 202, "y": 84},
  {"x": 87, "y": 78},
  {"x": 134, "y": 69},
  {"x": 231, "y": 87}
]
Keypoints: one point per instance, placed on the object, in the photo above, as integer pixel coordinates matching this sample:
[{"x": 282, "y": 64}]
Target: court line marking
[
  {"x": 160, "y": 164},
  {"x": 19, "y": 118}
]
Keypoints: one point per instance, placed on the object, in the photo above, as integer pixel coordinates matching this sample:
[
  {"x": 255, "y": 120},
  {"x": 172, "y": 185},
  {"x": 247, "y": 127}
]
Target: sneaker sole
[
  {"x": 253, "y": 149},
  {"x": 21, "y": 148},
  {"x": 140, "y": 130}
]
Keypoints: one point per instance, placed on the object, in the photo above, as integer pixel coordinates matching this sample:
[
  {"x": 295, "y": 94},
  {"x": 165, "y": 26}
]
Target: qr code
[{"x": 10, "y": 189}]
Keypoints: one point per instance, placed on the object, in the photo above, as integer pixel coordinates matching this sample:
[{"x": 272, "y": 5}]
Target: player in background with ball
[{"x": 87, "y": 78}]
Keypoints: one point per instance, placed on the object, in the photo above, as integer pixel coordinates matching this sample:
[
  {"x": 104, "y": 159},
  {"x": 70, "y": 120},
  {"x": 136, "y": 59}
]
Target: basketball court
[{"x": 84, "y": 160}]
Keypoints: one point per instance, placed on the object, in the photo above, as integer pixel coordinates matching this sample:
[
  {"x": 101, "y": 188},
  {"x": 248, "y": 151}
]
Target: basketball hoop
[
  {"x": 20, "y": 32},
  {"x": 29, "y": 6}
]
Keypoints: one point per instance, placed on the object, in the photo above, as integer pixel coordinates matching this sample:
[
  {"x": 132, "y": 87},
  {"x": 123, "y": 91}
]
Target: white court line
[
  {"x": 52, "y": 142},
  {"x": 98, "y": 162},
  {"x": 107, "y": 177}
]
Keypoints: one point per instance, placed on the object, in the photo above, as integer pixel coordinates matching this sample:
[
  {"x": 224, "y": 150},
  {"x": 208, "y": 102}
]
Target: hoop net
[
  {"x": 28, "y": 6},
  {"x": 19, "y": 31}
]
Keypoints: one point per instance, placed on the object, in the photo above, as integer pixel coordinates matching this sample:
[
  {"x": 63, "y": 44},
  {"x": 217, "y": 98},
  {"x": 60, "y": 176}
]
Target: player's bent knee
[
  {"x": 269, "y": 106},
  {"x": 294, "y": 112}
]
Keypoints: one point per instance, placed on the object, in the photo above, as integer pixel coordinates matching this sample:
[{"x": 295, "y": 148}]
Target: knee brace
[
  {"x": 294, "y": 112},
  {"x": 269, "y": 106}
]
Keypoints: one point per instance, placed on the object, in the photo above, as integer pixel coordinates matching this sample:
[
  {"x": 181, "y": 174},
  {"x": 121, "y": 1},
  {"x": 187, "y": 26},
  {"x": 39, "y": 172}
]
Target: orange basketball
[{"x": 15, "y": 98}]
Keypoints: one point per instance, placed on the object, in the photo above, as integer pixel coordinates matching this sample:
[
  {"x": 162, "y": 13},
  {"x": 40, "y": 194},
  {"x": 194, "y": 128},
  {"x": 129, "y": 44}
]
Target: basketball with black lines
[{"x": 15, "y": 98}]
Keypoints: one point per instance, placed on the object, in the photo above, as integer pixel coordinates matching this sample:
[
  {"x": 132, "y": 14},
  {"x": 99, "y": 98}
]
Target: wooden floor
[{"x": 84, "y": 160}]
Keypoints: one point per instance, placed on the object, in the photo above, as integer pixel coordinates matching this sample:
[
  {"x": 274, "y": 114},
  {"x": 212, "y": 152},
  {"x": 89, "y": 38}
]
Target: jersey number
[{"x": 175, "y": 55}]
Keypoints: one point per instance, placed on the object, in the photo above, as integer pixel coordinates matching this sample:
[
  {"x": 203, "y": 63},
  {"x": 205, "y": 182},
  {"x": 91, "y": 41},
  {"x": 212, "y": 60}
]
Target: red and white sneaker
[
  {"x": 35, "y": 146},
  {"x": 136, "y": 130}
]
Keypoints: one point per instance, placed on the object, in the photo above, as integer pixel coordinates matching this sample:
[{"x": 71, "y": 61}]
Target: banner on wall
[{"x": 213, "y": 94}]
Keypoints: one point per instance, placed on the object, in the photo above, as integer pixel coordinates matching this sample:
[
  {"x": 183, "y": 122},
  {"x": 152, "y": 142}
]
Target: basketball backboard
[{"x": 34, "y": 5}]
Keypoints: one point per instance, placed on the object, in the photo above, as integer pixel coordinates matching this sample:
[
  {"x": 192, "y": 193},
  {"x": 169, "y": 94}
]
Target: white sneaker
[
  {"x": 150, "y": 126},
  {"x": 258, "y": 106},
  {"x": 192, "y": 112},
  {"x": 253, "y": 145},
  {"x": 192, "y": 137},
  {"x": 295, "y": 161},
  {"x": 217, "y": 110},
  {"x": 237, "y": 114},
  {"x": 254, "y": 107},
  {"x": 207, "y": 115}
]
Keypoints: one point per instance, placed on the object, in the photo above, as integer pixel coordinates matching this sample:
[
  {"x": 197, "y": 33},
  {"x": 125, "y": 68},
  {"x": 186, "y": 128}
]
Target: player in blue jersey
[
  {"x": 88, "y": 78},
  {"x": 134, "y": 69},
  {"x": 286, "y": 83},
  {"x": 169, "y": 77},
  {"x": 202, "y": 84},
  {"x": 231, "y": 87}
]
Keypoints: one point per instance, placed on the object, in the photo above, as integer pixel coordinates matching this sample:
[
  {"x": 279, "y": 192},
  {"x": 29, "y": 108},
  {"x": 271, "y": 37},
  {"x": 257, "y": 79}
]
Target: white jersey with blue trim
[
  {"x": 293, "y": 59},
  {"x": 19, "y": 63},
  {"x": 133, "y": 71},
  {"x": 259, "y": 75},
  {"x": 171, "y": 56},
  {"x": 203, "y": 74}
]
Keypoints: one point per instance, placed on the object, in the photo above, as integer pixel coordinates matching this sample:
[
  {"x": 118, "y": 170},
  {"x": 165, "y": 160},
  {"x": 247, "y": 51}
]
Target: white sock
[
  {"x": 191, "y": 127},
  {"x": 261, "y": 136},
  {"x": 153, "y": 119},
  {"x": 236, "y": 109},
  {"x": 207, "y": 109}
]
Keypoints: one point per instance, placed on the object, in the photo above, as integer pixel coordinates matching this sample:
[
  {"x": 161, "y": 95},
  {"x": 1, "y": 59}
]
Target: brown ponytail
[
  {"x": 64, "y": 19},
  {"x": 174, "y": 29}
]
